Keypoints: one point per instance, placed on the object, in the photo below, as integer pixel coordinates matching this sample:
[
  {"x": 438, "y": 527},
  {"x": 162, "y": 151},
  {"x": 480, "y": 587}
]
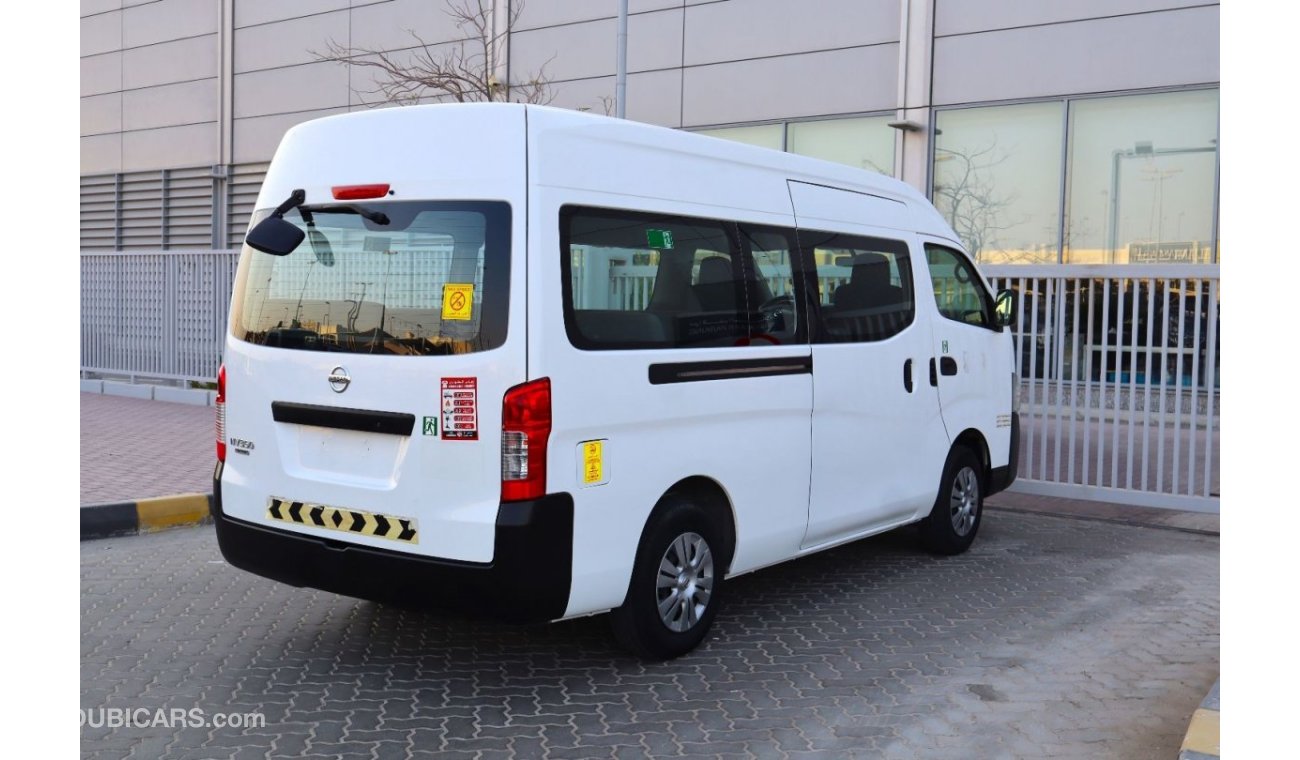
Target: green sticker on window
[{"x": 662, "y": 239}]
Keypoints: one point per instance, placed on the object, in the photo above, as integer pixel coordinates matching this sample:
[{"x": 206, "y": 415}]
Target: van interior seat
[
  {"x": 716, "y": 289},
  {"x": 869, "y": 285}
]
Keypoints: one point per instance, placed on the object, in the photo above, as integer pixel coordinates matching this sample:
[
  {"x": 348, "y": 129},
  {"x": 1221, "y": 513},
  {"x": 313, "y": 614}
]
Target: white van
[{"x": 543, "y": 364}]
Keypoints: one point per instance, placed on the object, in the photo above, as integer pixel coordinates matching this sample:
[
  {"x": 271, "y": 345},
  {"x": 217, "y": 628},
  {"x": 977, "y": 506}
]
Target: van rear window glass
[
  {"x": 638, "y": 280},
  {"x": 434, "y": 280}
]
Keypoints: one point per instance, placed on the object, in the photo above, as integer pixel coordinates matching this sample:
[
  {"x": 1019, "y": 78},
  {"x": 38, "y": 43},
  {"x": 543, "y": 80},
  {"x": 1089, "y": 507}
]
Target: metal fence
[
  {"x": 158, "y": 315},
  {"x": 1119, "y": 365},
  {"x": 1119, "y": 369}
]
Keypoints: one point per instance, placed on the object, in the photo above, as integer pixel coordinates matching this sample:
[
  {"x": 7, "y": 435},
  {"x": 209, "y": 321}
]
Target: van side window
[
  {"x": 637, "y": 280},
  {"x": 958, "y": 291},
  {"x": 864, "y": 286}
]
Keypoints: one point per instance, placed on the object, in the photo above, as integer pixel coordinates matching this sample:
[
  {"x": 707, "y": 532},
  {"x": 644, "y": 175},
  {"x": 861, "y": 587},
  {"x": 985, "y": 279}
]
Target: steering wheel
[{"x": 779, "y": 312}]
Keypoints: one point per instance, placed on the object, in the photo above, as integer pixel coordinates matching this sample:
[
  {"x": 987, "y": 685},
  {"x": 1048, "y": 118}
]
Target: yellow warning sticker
[
  {"x": 457, "y": 300},
  {"x": 593, "y": 463},
  {"x": 343, "y": 519}
]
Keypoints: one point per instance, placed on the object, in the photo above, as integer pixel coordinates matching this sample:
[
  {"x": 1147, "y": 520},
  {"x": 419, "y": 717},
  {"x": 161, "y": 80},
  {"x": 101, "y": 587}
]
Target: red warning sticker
[{"x": 460, "y": 408}]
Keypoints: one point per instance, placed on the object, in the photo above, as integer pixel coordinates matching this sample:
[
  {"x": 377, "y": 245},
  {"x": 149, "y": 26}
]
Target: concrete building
[{"x": 1072, "y": 131}]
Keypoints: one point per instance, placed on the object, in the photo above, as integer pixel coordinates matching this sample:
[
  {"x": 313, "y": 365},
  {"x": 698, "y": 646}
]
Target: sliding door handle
[{"x": 948, "y": 365}]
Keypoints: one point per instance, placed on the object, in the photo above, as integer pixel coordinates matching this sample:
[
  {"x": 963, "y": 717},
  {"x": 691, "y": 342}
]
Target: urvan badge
[{"x": 339, "y": 379}]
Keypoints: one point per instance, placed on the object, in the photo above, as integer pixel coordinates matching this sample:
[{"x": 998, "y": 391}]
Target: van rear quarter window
[
  {"x": 434, "y": 280},
  {"x": 640, "y": 280}
]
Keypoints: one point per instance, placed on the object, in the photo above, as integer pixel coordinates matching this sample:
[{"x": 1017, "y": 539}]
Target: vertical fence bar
[
  {"x": 1074, "y": 379},
  {"x": 1164, "y": 389},
  {"x": 1105, "y": 364},
  {"x": 1019, "y": 349},
  {"x": 1059, "y": 341},
  {"x": 1087, "y": 408},
  {"x": 1132, "y": 382},
  {"x": 1119, "y": 377},
  {"x": 1043, "y": 425},
  {"x": 1195, "y": 397},
  {"x": 1028, "y": 426},
  {"x": 1176, "y": 460},
  {"x": 1211, "y": 377},
  {"x": 1144, "y": 464}
]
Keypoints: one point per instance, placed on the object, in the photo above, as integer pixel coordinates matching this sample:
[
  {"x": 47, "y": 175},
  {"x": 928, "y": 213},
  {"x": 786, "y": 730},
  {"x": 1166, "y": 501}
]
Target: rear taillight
[
  {"x": 525, "y": 428},
  {"x": 221, "y": 414}
]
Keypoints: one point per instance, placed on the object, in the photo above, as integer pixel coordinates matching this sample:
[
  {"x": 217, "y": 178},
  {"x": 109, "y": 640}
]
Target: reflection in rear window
[{"x": 433, "y": 281}]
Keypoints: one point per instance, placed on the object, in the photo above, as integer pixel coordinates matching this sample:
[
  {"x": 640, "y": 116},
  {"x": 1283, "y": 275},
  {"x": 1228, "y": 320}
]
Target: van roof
[{"x": 414, "y": 120}]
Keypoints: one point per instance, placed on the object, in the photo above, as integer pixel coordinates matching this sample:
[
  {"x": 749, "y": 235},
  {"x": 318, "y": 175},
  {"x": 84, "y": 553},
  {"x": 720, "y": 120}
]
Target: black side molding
[
  {"x": 731, "y": 369},
  {"x": 342, "y": 418}
]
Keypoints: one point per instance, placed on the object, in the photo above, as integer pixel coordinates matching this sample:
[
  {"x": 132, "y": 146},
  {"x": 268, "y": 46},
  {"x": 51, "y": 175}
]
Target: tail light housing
[
  {"x": 525, "y": 430},
  {"x": 221, "y": 414}
]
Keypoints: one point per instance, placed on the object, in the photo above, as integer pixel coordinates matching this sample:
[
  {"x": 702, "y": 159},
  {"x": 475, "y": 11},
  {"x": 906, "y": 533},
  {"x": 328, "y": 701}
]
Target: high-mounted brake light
[
  {"x": 221, "y": 414},
  {"x": 525, "y": 429},
  {"x": 359, "y": 192}
]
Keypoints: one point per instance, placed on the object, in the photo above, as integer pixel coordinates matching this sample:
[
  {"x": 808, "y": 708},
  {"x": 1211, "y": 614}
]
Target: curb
[
  {"x": 1202, "y": 739},
  {"x": 129, "y": 518}
]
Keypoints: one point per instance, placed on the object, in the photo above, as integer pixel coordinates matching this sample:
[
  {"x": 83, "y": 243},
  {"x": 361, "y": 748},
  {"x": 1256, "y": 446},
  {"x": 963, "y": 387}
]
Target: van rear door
[{"x": 365, "y": 373}]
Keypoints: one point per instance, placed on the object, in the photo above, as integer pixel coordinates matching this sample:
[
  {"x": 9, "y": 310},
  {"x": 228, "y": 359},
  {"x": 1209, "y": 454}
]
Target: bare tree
[
  {"x": 968, "y": 199},
  {"x": 468, "y": 70}
]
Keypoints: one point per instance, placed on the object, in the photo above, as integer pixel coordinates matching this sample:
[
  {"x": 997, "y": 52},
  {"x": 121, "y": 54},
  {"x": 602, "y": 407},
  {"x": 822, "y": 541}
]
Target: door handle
[
  {"x": 907, "y": 375},
  {"x": 934, "y": 374},
  {"x": 948, "y": 365}
]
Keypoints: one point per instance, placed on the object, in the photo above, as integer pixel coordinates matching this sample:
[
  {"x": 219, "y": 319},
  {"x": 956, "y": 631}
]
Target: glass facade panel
[
  {"x": 1141, "y": 179},
  {"x": 866, "y": 143},
  {"x": 764, "y": 135},
  {"x": 997, "y": 180}
]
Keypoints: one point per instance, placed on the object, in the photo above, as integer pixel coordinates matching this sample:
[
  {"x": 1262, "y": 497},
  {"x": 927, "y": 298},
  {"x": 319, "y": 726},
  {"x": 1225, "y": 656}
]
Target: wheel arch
[
  {"x": 974, "y": 440},
  {"x": 710, "y": 496}
]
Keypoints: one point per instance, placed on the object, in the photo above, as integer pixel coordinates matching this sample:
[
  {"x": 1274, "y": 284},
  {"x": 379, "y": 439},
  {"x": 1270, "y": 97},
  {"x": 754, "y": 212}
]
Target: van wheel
[
  {"x": 955, "y": 519},
  {"x": 676, "y": 585}
]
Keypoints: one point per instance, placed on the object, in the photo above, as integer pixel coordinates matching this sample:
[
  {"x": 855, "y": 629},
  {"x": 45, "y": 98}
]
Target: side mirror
[
  {"x": 275, "y": 236},
  {"x": 1004, "y": 308}
]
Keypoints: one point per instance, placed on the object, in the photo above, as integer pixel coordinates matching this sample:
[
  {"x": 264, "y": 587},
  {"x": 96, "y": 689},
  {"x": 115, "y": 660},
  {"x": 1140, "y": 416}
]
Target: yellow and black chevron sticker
[{"x": 343, "y": 519}]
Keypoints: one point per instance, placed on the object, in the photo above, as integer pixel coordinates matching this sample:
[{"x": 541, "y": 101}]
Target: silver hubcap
[
  {"x": 685, "y": 582},
  {"x": 965, "y": 502}
]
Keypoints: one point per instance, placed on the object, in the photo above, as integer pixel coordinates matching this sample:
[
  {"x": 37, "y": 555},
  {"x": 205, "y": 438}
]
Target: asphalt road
[{"x": 1052, "y": 637}]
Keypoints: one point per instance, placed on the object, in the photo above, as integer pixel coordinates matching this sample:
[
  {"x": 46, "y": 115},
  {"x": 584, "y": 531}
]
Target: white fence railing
[
  {"x": 1119, "y": 370},
  {"x": 155, "y": 314},
  {"x": 1119, "y": 365}
]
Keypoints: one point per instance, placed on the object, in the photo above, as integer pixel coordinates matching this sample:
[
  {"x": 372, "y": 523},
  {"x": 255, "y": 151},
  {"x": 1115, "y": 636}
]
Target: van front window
[{"x": 434, "y": 280}]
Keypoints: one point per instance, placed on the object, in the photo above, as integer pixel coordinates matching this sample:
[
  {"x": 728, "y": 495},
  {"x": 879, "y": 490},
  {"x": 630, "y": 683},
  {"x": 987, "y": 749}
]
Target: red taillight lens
[
  {"x": 221, "y": 414},
  {"x": 359, "y": 192},
  {"x": 525, "y": 428}
]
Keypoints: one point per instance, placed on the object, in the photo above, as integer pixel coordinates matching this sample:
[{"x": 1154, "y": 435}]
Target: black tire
[
  {"x": 952, "y": 524},
  {"x": 638, "y": 624}
]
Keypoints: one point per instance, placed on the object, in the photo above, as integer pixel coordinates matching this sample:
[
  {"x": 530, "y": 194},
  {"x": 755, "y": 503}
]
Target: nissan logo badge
[{"x": 339, "y": 379}]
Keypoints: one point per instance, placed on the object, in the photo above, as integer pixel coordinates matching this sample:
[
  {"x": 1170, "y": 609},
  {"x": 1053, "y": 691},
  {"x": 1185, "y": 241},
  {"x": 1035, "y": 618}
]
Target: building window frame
[{"x": 1067, "y": 102}]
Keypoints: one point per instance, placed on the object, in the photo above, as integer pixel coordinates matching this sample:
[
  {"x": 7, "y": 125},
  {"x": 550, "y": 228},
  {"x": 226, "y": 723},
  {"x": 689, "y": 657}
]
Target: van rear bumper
[
  {"x": 1001, "y": 478},
  {"x": 528, "y": 580}
]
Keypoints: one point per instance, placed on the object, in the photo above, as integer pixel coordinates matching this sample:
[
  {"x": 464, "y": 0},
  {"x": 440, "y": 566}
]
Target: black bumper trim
[
  {"x": 1001, "y": 478},
  {"x": 527, "y": 581}
]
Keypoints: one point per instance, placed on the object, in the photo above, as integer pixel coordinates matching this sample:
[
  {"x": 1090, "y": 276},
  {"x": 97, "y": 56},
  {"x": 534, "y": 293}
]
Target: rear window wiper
[{"x": 378, "y": 217}]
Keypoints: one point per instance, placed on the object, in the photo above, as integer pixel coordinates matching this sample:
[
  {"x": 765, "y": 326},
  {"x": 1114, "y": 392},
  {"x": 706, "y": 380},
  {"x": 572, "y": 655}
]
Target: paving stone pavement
[
  {"x": 1051, "y": 638},
  {"x": 135, "y": 448}
]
